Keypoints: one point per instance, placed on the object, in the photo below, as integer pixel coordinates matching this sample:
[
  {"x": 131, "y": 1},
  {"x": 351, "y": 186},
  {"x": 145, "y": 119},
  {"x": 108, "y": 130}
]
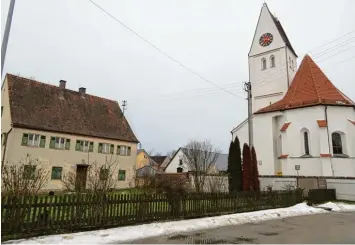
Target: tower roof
[
  {"x": 309, "y": 87},
  {"x": 283, "y": 34}
]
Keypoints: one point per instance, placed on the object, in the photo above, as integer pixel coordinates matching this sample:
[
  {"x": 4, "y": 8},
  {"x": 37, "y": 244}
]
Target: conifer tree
[
  {"x": 246, "y": 168},
  {"x": 238, "y": 163},
  {"x": 255, "y": 172}
]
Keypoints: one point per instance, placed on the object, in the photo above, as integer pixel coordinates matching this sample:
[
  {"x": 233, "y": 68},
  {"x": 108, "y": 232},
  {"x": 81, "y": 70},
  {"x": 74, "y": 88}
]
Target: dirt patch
[{"x": 269, "y": 233}]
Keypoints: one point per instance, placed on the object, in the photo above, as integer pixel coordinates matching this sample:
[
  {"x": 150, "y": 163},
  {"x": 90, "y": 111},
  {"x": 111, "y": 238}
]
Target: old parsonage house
[
  {"x": 302, "y": 123},
  {"x": 66, "y": 130}
]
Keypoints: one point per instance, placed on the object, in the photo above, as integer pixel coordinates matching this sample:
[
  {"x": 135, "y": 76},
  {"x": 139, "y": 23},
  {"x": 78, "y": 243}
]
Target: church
[{"x": 302, "y": 124}]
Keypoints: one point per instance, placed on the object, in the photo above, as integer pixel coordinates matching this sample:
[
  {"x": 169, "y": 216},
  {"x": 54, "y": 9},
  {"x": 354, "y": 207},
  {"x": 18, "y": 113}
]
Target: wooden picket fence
[{"x": 38, "y": 215}]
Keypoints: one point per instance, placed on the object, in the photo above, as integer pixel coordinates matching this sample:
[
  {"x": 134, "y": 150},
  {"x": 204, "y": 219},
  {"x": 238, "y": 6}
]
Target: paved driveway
[{"x": 319, "y": 228}]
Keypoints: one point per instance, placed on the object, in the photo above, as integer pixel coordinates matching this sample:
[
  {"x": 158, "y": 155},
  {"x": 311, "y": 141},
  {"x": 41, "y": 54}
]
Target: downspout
[
  {"x": 4, "y": 152},
  {"x": 326, "y": 119}
]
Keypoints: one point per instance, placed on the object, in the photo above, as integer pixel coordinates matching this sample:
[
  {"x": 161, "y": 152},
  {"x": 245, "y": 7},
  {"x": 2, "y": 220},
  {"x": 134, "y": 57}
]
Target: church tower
[{"x": 272, "y": 61}]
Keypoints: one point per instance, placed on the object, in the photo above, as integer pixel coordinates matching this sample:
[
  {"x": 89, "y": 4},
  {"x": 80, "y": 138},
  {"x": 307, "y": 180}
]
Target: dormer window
[{"x": 263, "y": 64}]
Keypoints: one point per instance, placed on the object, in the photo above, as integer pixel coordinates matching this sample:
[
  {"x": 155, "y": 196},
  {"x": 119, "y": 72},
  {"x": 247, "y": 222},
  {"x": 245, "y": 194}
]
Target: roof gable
[
  {"x": 269, "y": 23},
  {"x": 309, "y": 87},
  {"x": 42, "y": 106}
]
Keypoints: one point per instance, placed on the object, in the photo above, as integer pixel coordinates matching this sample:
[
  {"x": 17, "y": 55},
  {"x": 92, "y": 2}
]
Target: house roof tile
[
  {"x": 309, "y": 87},
  {"x": 40, "y": 106}
]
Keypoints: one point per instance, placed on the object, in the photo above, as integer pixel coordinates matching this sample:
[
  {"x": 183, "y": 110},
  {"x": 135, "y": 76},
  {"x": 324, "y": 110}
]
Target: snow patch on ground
[
  {"x": 338, "y": 207},
  {"x": 128, "y": 233}
]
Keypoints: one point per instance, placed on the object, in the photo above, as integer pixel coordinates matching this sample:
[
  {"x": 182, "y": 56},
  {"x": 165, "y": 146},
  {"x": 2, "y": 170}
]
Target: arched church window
[
  {"x": 337, "y": 143},
  {"x": 263, "y": 64},
  {"x": 306, "y": 142},
  {"x": 272, "y": 61}
]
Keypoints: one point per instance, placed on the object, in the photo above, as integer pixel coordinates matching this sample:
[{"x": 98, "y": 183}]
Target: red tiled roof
[
  {"x": 309, "y": 87},
  {"x": 322, "y": 123},
  {"x": 285, "y": 126},
  {"x": 325, "y": 155},
  {"x": 353, "y": 122},
  {"x": 38, "y": 105}
]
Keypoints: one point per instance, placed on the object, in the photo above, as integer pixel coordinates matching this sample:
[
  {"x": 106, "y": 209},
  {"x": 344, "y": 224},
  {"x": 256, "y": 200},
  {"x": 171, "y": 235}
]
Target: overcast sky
[{"x": 168, "y": 105}]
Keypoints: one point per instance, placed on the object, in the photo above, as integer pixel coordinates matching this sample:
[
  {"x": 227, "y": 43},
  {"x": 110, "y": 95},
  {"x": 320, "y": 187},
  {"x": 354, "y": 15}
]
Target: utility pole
[
  {"x": 6, "y": 34},
  {"x": 124, "y": 104},
  {"x": 247, "y": 88}
]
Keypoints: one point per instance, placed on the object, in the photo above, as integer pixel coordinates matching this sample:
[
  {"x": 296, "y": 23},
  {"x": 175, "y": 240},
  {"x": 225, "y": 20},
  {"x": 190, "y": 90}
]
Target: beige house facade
[{"x": 67, "y": 131}]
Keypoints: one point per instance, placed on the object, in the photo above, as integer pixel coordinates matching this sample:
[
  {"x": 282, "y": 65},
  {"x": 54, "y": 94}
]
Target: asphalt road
[{"x": 318, "y": 228}]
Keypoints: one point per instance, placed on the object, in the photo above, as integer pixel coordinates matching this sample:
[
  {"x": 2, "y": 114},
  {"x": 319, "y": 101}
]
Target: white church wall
[
  {"x": 303, "y": 118},
  {"x": 308, "y": 166},
  {"x": 338, "y": 122},
  {"x": 344, "y": 167},
  {"x": 242, "y": 133},
  {"x": 265, "y": 24}
]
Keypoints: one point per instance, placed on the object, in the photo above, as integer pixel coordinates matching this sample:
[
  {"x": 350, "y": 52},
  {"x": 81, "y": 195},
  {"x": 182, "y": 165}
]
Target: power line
[{"x": 161, "y": 51}]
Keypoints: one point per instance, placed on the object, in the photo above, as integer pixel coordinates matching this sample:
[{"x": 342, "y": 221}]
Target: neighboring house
[
  {"x": 66, "y": 130},
  {"x": 162, "y": 162},
  {"x": 302, "y": 124},
  {"x": 143, "y": 159},
  {"x": 177, "y": 163}
]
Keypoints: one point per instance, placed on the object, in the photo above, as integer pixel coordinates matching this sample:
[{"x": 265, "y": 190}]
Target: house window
[
  {"x": 59, "y": 143},
  {"x": 106, "y": 148},
  {"x": 179, "y": 170},
  {"x": 85, "y": 146},
  {"x": 121, "y": 175},
  {"x": 2, "y": 109},
  {"x": 337, "y": 143},
  {"x": 33, "y": 140},
  {"x": 306, "y": 143},
  {"x": 29, "y": 171},
  {"x": 263, "y": 64},
  {"x": 180, "y": 162},
  {"x": 289, "y": 58},
  {"x": 272, "y": 61},
  {"x": 57, "y": 173},
  {"x": 123, "y": 150},
  {"x": 104, "y": 173},
  {"x": 292, "y": 64}
]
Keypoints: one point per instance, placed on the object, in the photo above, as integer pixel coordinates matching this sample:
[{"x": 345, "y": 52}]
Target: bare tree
[
  {"x": 171, "y": 153},
  {"x": 100, "y": 177},
  {"x": 200, "y": 158},
  {"x": 24, "y": 178}
]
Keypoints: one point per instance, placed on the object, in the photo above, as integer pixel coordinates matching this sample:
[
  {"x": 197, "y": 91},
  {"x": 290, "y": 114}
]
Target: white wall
[
  {"x": 345, "y": 188},
  {"x": 174, "y": 163},
  {"x": 271, "y": 84}
]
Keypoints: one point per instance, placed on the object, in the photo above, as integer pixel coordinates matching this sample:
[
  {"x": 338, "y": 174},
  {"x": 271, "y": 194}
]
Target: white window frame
[
  {"x": 123, "y": 150},
  {"x": 105, "y": 148},
  {"x": 86, "y": 145},
  {"x": 33, "y": 142},
  {"x": 59, "y": 145}
]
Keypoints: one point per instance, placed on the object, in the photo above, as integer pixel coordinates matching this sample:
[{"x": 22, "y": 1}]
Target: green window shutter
[
  {"x": 118, "y": 149},
  {"x": 91, "y": 147},
  {"x": 67, "y": 144},
  {"x": 24, "y": 139},
  {"x": 77, "y": 145},
  {"x": 42, "y": 142},
  {"x": 122, "y": 175},
  {"x": 112, "y": 149},
  {"x": 52, "y": 143},
  {"x": 99, "y": 150},
  {"x": 129, "y": 151},
  {"x": 57, "y": 173}
]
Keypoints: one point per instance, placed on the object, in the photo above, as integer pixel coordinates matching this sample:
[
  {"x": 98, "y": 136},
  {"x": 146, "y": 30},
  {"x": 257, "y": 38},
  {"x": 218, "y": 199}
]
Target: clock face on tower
[{"x": 266, "y": 39}]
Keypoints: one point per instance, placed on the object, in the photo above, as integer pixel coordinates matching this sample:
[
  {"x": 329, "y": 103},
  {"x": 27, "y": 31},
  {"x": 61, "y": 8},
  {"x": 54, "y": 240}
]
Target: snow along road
[{"x": 130, "y": 233}]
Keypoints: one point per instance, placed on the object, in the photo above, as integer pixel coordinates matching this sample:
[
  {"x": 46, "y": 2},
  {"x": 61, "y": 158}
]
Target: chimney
[
  {"x": 82, "y": 91},
  {"x": 62, "y": 84},
  {"x": 62, "y": 88}
]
